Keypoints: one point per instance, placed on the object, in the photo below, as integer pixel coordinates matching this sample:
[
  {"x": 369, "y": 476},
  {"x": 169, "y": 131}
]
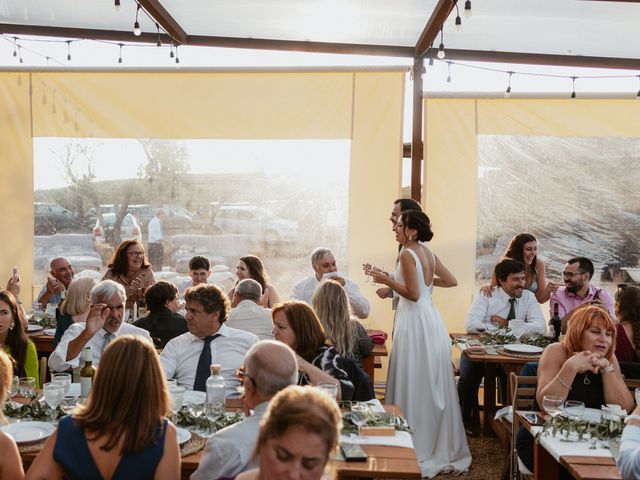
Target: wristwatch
[{"x": 633, "y": 416}]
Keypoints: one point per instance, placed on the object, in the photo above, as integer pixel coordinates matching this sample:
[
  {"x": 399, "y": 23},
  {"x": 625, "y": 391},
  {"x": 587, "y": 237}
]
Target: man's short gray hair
[
  {"x": 318, "y": 253},
  {"x": 105, "y": 290},
  {"x": 249, "y": 289},
  {"x": 55, "y": 259},
  {"x": 272, "y": 366}
]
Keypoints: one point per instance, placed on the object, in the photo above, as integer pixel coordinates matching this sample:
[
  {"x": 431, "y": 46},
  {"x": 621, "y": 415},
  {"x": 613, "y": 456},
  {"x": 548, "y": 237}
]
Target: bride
[{"x": 420, "y": 378}]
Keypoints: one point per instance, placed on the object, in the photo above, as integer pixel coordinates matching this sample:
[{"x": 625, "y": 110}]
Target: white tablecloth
[
  {"x": 400, "y": 439},
  {"x": 558, "y": 447}
]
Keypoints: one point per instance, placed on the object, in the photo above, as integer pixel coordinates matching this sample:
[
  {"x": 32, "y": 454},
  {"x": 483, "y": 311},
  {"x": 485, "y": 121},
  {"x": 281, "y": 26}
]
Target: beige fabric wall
[
  {"x": 363, "y": 106},
  {"x": 451, "y": 129}
]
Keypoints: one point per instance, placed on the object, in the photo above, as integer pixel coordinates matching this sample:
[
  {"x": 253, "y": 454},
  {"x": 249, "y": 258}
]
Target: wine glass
[
  {"x": 177, "y": 398},
  {"x": 574, "y": 409},
  {"x": 53, "y": 393},
  {"x": 359, "y": 415},
  {"x": 552, "y": 404},
  {"x": 330, "y": 388},
  {"x": 27, "y": 387},
  {"x": 64, "y": 379}
]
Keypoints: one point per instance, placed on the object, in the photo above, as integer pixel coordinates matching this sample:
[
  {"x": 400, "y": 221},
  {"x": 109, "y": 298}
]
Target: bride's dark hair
[{"x": 419, "y": 222}]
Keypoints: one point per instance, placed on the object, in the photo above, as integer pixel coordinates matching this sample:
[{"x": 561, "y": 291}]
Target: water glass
[
  {"x": 27, "y": 387},
  {"x": 68, "y": 403},
  {"x": 359, "y": 415},
  {"x": 172, "y": 383},
  {"x": 574, "y": 409},
  {"x": 64, "y": 379},
  {"x": 330, "y": 388},
  {"x": 177, "y": 398},
  {"x": 552, "y": 404},
  {"x": 53, "y": 394}
]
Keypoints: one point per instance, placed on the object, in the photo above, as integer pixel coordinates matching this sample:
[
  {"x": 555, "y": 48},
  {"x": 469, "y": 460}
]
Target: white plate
[
  {"x": 194, "y": 397},
  {"x": 183, "y": 435},
  {"x": 29, "y": 432},
  {"x": 50, "y": 331},
  {"x": 522, "y": 348},
  {"x": 34, "y": 328}
]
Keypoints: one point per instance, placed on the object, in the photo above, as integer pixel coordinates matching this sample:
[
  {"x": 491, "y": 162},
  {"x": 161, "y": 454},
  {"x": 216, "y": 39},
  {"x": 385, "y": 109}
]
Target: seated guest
[
  {"x": 187, "y": 357},
  {"x": 10, "y": 463},
  {"x": 103, "y": 324},
  {"x": 131, "y": 269},
  {"x": 524, "y": 248},
  {"x": 13, "y": 286},
  {"x": 344, "y": 332},
  {"x": 60, "y": 276},
  {"x": 628, "y": 461},
  {"x": 199, "y": 272},
  {"x": 627, "y": 309},
  {"x": 324, "y": 266},
  {"x": 299, "y": 433},
  {"x": 268, "y": 368},
  {"x": 577, "y": 275},
  {"x": 581, "y": 367},
  {"x": 13, "y": 339},
  {"x": 246, "y": 313},
  {"x": 75, "y": 306},
  {"x": 296, "y": 324},
  {"x": 251, "y": 266},
  {"x": 121, "y": 430},
  {"x": 508, "y": 301},
  {"x": 163, "y": 322}
]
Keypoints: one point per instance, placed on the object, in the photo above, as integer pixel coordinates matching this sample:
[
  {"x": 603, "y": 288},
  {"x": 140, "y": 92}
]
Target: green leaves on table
[
  {"x": 604, "y": 430},
  {"x": 503, "y": 336},
  {"x": 31, "y": 411},
  {"x": 186, "y": 418},
  {"x": 376, "y": 419}
]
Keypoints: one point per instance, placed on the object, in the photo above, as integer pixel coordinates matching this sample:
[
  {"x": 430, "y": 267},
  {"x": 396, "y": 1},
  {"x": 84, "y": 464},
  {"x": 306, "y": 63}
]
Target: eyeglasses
[
  {"x": 136, "y": 254},
  {"x": 572, "y": 274},
  {"x": 241, "y": 374}
]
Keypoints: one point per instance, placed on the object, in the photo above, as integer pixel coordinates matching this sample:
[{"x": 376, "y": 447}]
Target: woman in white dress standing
[{"x": 420, "y": 378}]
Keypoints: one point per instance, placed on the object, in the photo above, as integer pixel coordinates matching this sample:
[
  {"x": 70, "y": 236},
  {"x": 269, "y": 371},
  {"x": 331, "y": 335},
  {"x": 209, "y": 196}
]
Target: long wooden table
[
  {"x": 370, "y": 363},
  {"x": 43, "y": 343},
  {"x": 491, "y": 362}
]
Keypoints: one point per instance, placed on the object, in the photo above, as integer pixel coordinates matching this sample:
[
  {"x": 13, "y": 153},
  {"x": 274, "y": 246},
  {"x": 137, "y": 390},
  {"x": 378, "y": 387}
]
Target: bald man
[
  {"x": 60, "y": 277},
  {"x": 269, "y": 367}
]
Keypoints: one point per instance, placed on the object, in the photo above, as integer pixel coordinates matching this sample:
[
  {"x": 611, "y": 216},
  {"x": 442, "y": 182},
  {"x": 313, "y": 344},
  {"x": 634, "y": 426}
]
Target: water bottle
[{"x": 215, "y": 402}]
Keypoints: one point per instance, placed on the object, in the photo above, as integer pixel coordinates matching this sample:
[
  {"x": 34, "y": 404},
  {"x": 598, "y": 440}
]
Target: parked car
[
  {"x": 49, "y": 218},
  {"x": 178, "y": 220},
  {"x": 256, "y": 221},
  {"x": 129, "y": 230}
]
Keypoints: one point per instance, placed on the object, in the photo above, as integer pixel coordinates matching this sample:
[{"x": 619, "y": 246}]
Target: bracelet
[
  {"x": 608, "y": 369},
  {"x": 633, "y": 416},
  {"x": 563, "y": 383}
]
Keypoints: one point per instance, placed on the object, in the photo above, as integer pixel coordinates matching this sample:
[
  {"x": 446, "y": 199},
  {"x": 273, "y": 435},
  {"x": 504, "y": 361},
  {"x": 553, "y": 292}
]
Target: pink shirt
[{"x": 567, "y": 301}]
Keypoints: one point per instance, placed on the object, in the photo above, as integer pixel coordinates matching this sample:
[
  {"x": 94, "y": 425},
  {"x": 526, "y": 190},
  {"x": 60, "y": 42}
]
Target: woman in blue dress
[{"x": 120, "y": 432}]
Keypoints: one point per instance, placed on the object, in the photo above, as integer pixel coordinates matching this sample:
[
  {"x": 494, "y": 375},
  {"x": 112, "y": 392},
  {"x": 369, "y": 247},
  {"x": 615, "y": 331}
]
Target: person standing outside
[{"x": 156, "y": 237}]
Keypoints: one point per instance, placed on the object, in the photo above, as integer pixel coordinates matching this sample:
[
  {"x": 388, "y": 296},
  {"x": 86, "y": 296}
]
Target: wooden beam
[
  {"x": 164, "y": 19},
  {"x": 416, "y": 134},
  {"x": 541, "y": 59},
  {"x": 436, "y": 20}
]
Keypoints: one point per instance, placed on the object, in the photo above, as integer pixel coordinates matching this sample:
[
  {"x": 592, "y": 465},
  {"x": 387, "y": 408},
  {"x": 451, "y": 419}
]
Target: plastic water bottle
[{"x": 215, "y": 403}]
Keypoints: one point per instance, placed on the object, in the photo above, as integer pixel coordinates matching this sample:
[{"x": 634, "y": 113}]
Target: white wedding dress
[{"x": 420, "y": 380}]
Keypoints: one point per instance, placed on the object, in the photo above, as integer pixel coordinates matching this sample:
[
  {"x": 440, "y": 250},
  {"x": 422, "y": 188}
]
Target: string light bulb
[
  {"x": 177, "y": 59},
  {"x": 136, "y": 26},
  {"x": 120, "y": 55},
  {"x": 15, "y": 46},
  {"x": 441, "y": 52},
  {"x": 467, "y": 9},
  {"x": 430, "y": 61},
  {"x": 448, "y": 72},
  {"x": 20, "y": 53},
  {"x": 171, "y": 55},
  {"x": 458, "y": 22},
  {"x": 507, "y": 92},
  {"x": 573, "y": 89},
  {"x": 159, "y": 42},
  {"x": 117, "y": 5},
  {"x": 69, "y": 50}
]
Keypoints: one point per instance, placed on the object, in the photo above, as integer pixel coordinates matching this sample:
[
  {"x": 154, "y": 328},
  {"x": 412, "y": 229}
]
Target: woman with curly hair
[
  {"x": 627, "y": 308},
  {"x": 130, "y": 267},
  {"x": 13, "y": 339}
]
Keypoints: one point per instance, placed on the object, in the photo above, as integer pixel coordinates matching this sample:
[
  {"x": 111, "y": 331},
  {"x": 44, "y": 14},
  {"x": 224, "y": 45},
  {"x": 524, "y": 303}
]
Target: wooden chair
[{"x": 523, "y": 391}]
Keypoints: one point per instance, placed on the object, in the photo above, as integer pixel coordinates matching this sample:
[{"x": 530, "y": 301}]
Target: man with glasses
[
  {"x": 269, "y": 367},
  {"x": 577, "y": 290}
]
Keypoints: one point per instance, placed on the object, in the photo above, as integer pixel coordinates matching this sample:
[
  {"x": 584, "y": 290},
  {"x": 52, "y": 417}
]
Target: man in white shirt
[
  {"x": 61, "y": 275},
  {"x": 199, "y": 272},
  {"x": 246, "y": 313},
  {"x": 103, "y": 324},
  {"x": 187, "y": 357},
  {"x": 155, "y": 247},
  {"x": 269, "y": 367},
  {"x": 324, "y": 266},
  {"x": 508, "y": 301}
]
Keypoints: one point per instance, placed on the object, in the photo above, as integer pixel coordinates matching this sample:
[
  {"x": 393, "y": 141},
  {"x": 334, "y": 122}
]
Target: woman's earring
[{"x": 13, "y": 324}]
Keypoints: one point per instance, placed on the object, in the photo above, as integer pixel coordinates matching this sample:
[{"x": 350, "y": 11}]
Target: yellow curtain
[{"x": 451, "y": 167}]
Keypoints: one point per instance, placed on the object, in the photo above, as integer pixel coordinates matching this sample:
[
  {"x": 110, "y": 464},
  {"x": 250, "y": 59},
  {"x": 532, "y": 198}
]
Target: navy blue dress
[{"x": 72, "y": 452}]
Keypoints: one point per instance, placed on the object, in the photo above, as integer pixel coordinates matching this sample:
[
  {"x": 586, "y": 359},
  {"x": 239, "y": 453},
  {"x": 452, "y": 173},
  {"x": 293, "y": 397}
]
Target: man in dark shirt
[{"x": 163, "y": 321}]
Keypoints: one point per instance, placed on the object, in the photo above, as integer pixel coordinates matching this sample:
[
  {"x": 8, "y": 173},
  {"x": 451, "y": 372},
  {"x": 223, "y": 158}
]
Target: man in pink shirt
[{"x": 577, "y": 275}]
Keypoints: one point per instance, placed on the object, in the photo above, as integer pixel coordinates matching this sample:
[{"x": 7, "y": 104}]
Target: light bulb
[
  {"x": 458, "y": 24},
  {"x": 467, "y": 9},
  {"x": 136, "y": 29},
  {"x": 507, "y": 92},
  {"x": 117, "y": 5},
  {"x": 441, "y": 53}
]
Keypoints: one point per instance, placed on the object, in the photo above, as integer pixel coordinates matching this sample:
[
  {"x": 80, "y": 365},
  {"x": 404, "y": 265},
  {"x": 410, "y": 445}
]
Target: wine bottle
[
  {"x": 556, "y": 323},
  {"x": 87, "y": 373}
]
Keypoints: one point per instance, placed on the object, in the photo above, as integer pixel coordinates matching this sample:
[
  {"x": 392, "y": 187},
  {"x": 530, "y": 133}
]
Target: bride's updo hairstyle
[{"x": 419, "y": 222}]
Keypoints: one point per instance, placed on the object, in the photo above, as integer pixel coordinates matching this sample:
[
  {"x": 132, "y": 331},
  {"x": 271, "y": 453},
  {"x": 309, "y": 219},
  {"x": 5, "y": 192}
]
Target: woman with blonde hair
[
  {"x": 10, "y": 462},
  {"x": 75, "y": 306},
  {"x": 298, "y": 435},
  {"x": 343, "y": 331},
  {"x": 120, "y": 432},
  {"x": 581, "y": 367}
]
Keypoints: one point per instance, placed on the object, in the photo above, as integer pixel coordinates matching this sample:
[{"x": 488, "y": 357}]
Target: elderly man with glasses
[
  {"x": 269, "y": 367},
  {"x": 578, "y": 289}
]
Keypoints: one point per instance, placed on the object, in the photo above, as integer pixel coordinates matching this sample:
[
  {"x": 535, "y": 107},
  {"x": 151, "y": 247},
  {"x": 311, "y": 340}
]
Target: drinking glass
[
  {"x": 53, "y": 393},
  {"x": 27, "y": 387},
  {"x": 359, "y": 415},
  {"x": 172, "y": 383},
  {"x": 68, "y": 403},
  {"x": 177, "y": 398},
  {"x": 637, "y": 392},
  {"x": 330, "y": 388},
  {"x": 574, "y": 409},
  {"x": 64, "y": 379},
  {"x": 552, "y": 404}
]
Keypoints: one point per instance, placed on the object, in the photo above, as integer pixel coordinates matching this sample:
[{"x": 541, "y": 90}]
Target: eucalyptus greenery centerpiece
[
  {"x": 31, "y": 411},
  {"x": 186, "y": 418},
  {"x": 374, "y": 419},
  {"x": 608, "y": 428},
  {"x": 503, "y": 336}
]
